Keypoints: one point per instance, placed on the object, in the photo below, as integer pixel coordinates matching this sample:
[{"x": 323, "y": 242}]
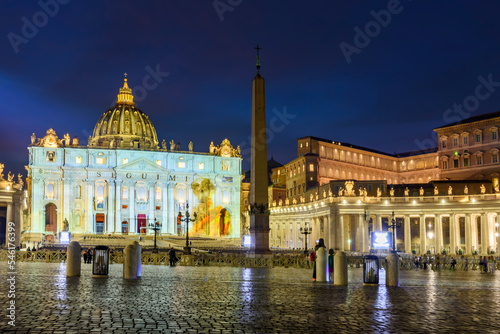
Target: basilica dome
[{"x": 124, "y": 125}]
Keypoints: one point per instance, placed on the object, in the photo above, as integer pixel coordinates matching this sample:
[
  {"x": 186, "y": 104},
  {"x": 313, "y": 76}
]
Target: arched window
[
  {"x": 180, "y": 195},
  {"x": 99, "y": 192},
  {"x": 49, "y": 190},
  {"x": 141, "y": 194},
  {"x": 158, "y": 193},
  {"x": 225, "y": 197}
]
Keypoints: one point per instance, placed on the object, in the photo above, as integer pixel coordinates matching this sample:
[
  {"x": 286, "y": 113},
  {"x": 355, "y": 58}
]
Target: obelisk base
[{"x": 259, "y": 236}]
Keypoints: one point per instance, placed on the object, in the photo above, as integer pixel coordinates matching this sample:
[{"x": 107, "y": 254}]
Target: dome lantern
[{"x": 124, "y": 126}]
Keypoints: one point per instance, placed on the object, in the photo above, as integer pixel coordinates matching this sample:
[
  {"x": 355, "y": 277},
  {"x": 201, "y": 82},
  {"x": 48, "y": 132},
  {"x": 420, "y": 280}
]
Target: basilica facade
[{"x": 125, "y": 181}]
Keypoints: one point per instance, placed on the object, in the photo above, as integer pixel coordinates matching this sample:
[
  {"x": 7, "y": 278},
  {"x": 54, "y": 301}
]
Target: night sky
[{"x": 388, "y": 94}]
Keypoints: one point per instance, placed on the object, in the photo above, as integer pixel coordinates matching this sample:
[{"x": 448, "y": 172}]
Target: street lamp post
[
  {"x": 155, "y": 227},
  {"x": 393, "y": 225},
  {"x": 187, "y": 249},
  {"x": 305, "y": 231}
]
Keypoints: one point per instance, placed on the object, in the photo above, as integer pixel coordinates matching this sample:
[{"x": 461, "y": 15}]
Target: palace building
[
  {"x": 122, "y": 182},
  {"x": 442, "y": 199}
]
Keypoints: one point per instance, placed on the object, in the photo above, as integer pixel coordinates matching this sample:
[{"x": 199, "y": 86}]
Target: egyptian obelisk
[{"x": 259, "y": 214}]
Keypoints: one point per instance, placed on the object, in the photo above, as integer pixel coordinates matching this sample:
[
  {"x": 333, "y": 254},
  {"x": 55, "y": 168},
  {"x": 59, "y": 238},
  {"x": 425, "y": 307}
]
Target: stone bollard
[
  {"x": 392, "y": 272},
  {"x": 130, "y": 261},
  {"x": 321, "y": 265},
  {"x": 340, "y": 265},
  {"x": 74, "y": 259},
  {"x": 139, "y": 259}
]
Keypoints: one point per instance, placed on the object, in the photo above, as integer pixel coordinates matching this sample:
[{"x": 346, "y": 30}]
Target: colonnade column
[
  {"x": 453, "y": 234},
  {"x": 468, "y": 236},
  {"x": 497, "y": 234},
  {"x": 332, "y": 226},
  {"x": 439, "y": 233},
  {"x": 8, "y": 220},
  {"x": 423, "y": 234},
  {"x": 484, "y": 234},
  {"x": 132, "y": 224},
  {"x": 407, "y": 231},
  {"x": 326, "y": 229},
  {"x": 378, "y": 223},
  {"x": 366, "y": 235},
  {"x": 359, "y": 233},
  {"x": 340, "y": 239}
]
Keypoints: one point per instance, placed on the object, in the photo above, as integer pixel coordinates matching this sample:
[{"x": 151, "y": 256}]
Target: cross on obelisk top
[{"x": 258, "y": 56}]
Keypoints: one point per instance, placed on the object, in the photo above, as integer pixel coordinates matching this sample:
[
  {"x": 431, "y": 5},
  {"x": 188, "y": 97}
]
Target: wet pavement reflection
[{"x": 253, "y": 300}]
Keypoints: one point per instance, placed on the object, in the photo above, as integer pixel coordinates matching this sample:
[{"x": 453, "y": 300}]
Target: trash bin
[
  {"x": 100, "y": 266},
  {"x": 370, "y": 269}
]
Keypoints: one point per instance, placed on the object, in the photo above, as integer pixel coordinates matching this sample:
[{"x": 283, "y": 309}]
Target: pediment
[{"x": 141, "y": 164}]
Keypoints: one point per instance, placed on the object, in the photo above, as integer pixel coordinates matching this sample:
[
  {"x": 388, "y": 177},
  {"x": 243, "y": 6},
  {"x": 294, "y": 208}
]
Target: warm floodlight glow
[{"x": 431, "y": 235}]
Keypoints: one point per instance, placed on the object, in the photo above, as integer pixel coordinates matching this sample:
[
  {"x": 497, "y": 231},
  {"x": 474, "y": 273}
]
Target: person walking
[
  {"x": 330, "y": 265},
  {"x": 173, "y": 257},
  {"x": 466, "y": 268},
  {"x": 312, "y": 258},
  {"x": 453, "y": 263},
  {"x": 485, "y": 264}
]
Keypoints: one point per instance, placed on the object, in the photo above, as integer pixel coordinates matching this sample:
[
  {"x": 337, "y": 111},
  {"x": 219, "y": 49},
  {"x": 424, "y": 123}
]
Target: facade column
[
  {"x": 423, "y": 234},
  {"x": 118, "y": 206},
  {"x": 132, "y": 224},
  {"x": 484, "y": 234},
  {"x": 152, "y": 207},
  {"x": 407, "y": 231},
  {"x": 112, "y": 208},
  {"x": 439, "y": 233},
  {"x": 171, "y": 214},
  {"x": 90, "y": 207},
  {"x": 453, "y": 234},
  {"x": 468, "y": 236}
]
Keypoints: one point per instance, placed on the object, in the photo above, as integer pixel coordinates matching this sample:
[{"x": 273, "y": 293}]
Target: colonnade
[{"x": 451, "y": 232}]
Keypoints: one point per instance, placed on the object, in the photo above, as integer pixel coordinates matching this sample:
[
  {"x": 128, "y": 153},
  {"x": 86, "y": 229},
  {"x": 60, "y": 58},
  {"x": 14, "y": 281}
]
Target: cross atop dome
[{"x": 125, "y": 95}]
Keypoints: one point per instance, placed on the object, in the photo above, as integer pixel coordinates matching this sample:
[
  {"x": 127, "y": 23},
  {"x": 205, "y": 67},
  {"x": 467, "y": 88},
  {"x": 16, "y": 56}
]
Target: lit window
[
  {"x": 201, "y": 165},
  {"x": 479, "y": 160},
  {"x": 125, "y": 193},
  {"x": 100, "y": 161},
  {"x": 181, "y": 164},
  {"x": 158, "y": 162},
  {"x": 307, "y": 144},
  {"x": 311, "y": 167},
  {"x": 225, "y": 197},
  {"x": 300, "y": 145},
  {"x": 124, "y": 161},
  {"x": 141, "y": 194},
  {"x": 49, "y": 191},
  {"x": 78, "y": 160},
  {"x": 158, "y": 194}
]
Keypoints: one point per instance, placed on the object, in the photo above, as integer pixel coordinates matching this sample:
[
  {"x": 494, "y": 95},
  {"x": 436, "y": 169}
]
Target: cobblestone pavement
[{"x": 239, "y": 300}]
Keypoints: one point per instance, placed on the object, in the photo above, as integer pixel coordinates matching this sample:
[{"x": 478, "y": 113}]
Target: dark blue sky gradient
[{"x": 392, "y": 93}]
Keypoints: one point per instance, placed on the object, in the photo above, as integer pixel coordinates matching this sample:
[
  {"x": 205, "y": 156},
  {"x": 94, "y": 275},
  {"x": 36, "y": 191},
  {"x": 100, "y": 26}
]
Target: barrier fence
[{"x": 286, "y": 261}]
